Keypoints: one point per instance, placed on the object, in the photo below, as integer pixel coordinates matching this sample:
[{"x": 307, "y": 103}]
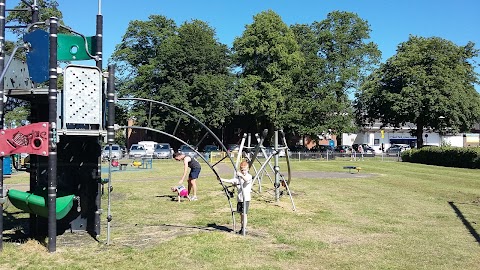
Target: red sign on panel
[{"x": 30, "y": 139}]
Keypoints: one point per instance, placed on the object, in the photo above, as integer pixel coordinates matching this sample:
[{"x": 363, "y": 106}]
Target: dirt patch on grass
[
  {"x": 149, "y": 236},
  {"x": 331, "y": 174}
]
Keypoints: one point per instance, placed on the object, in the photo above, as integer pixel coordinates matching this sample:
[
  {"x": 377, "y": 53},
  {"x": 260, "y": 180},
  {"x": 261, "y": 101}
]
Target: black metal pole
[
  {"x": 35, "y": 12},
  {"x": 110, "y": 137},
  {"x": 52, "y": 155},
  {"x": 99, "y": 62},
  {"x": 111, "y": 105},
  {"x": 99, "y": 39},
  {"x": 34, "y": 159},
  {"x": 2, "y": 63}
]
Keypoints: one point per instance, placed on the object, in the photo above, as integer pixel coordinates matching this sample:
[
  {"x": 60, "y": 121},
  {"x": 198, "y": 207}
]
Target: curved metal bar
[
  {"x": 33, "y": 24},
  {"x": 206, "y": 128},
  {"x": 189, "y": 115},
  {"x": 225, "y": 189}
]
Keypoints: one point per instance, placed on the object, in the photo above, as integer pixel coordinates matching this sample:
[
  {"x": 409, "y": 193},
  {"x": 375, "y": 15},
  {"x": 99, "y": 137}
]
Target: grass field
[{"x": 391, "y": 215}]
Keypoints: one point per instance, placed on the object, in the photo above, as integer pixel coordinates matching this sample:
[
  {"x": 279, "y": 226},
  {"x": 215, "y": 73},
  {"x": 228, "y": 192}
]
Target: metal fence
[
  {"x": 343, "y": 156},
  {"x": 320, "y": 156}
]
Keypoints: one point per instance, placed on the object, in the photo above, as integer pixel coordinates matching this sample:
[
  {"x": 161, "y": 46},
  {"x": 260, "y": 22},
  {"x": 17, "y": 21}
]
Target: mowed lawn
[{"x": 390, "y": 215}]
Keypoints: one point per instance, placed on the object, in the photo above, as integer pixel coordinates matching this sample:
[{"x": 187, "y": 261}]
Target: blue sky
[{"x": 391, "y": 21}]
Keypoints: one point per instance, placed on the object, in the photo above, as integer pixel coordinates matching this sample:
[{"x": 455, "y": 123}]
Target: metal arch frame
[
  {"x": 189, "y": 115},
  {"x": 185, "y": 143},
  {"x": 225, "y": 189}
]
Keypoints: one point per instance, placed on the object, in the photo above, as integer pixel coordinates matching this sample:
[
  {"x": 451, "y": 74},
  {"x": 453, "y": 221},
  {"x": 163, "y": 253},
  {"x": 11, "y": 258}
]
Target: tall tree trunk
[{"x": 419, "y": 134}]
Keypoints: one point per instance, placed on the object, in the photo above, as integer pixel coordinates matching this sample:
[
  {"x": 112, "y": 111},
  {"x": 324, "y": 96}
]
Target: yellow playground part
[{"x": 136, "y": 163}]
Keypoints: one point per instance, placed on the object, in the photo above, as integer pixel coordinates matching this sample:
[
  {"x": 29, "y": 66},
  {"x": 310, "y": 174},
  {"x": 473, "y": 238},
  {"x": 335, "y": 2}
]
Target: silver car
[
  {"x": 162, "y": 150},
  {"x": 116, "y": 152},
  {"x": 186, "y": 150},
  {"x": 137, "y": 151}
]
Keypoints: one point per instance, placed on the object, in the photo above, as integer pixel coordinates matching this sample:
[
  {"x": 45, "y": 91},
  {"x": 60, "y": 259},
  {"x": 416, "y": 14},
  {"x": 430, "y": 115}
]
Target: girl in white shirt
[{"x": 243, "y": 181}]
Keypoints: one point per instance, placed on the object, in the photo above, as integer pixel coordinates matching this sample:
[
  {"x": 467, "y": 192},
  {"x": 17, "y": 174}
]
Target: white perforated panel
[{"x": 82, "y": 95}]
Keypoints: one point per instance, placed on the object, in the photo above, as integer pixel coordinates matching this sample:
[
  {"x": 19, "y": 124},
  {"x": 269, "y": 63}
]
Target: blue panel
[
  {"x": 7, "y": 165},
  {"x": 38, "y": 55}
]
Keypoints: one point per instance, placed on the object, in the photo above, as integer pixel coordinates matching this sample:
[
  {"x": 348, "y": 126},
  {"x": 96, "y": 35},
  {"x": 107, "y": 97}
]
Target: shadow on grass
[
  {"x": 465, "y": 222},
  {"x": 15, "y": 227},
  {"x": 209, "y": 227},
  {"x": 172, "y": 197},
  {"x": 19, "y": 228}
]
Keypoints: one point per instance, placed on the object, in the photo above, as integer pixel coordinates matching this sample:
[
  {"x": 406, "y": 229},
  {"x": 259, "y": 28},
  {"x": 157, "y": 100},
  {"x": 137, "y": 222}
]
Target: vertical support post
[
  {"x": 111, "y": 105},
  {"x": 35, "y": 12},
  {"x": 99, "y": 62},
  {"x": 99, "y": 36},
  {"x": 110, "y": 137},
  {"x": 2, "y": 63},
  {"x": 52, "y": 155},
  {"x": 34, "y": 159},
  {"x": 276, "y": 168}
]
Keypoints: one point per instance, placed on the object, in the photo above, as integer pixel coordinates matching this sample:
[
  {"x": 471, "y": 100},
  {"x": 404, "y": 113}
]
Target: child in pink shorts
[{"x": 181, "y": 191}]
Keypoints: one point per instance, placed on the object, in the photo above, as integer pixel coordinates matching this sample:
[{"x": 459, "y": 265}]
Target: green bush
[{"x": 445, "y": 156}]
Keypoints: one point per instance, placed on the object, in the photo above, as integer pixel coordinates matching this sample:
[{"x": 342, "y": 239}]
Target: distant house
[{"x": 377, "y": 137}]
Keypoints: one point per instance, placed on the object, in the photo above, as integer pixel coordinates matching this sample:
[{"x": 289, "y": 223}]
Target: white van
[{"x": 149, "y": 147}]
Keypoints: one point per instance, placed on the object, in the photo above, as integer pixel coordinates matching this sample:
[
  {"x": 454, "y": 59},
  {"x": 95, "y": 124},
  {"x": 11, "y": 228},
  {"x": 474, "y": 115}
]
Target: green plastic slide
[{"x": 36, "y": 204}]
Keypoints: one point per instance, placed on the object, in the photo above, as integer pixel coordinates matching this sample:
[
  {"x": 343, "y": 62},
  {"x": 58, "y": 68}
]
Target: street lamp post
[
  {"x": 222, "y": 121},
  {"x": 441, "y": 118}
]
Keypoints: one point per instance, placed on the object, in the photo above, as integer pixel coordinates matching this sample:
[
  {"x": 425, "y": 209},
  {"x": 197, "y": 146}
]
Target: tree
[
  {"x": 16, "y": 116},
  {"x": 429, "y": 82},
  {"x": 338, "y": 58},
  {"x": 17, "y": 108},
  {"x": 268, "y": 56},
  {"x": 47, "y": 9},
  {"x": 183, "y": 66},
  {"x": 139, "y": 45}
]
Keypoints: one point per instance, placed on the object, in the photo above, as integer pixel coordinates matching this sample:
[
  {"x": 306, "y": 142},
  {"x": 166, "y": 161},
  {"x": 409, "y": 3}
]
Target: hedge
[{"x": 445, "y": 156}]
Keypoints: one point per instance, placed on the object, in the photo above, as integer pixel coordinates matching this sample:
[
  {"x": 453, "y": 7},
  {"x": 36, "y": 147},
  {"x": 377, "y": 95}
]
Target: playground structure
[
  {"x": 68, "y": 127},
  {"x": 251, "y": 153}
]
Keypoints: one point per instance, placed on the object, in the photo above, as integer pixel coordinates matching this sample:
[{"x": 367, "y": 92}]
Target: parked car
[
  {"x": 163, "y": 150},
  {"x": 137, "y": 151},
  {"x": 324, "y": 148},
  {"x": 367, "y": 149},
  {"x": 397, "y": 148},
  {"x": 210, "y": 148},
  {"x": 149, "y": 147},
  {"x": 343, "y": 149},
  {"x": 233, "y": 147},
  {"x": 116, "y": 152},
  {"x": 298, "y": 148},
  {"x": 187, "y": 150},
  {"x": 282, "y": 151}
]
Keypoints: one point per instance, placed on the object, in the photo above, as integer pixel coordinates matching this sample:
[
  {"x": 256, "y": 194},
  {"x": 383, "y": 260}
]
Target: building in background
[{"x": 378, "y": 137}]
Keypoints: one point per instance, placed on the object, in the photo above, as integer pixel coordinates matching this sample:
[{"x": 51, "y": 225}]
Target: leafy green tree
[
  {"x": 268, "y": 56},
  {"x": 337, "y": 60},
  {"x": 183, "y": 66},
  {"x": 139, "y": 46},
  {"x": 429, "y": 82},
  {"x": 47, "y": 9},
  {"x": 15, "y": 116}
]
